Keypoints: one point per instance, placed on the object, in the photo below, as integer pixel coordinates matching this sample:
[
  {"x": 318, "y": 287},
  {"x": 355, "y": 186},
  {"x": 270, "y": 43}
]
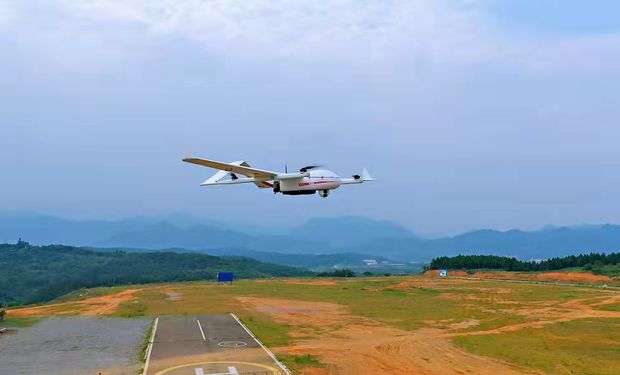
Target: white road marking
[
  {"x": 232, "y": 344},
  {"x": 270, "y": 369},
  {"x": 232, "y": 371},
  {"x": 201, "y": 331},
  {"x": 150, "y": 348},
  {"x": 269, "y": 353}
]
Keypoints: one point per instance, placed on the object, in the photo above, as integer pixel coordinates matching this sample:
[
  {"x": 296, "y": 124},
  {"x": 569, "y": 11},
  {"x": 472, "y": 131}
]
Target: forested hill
[
  {"x": 31, "y": 274},
  {"x": 608, "y": 264}
]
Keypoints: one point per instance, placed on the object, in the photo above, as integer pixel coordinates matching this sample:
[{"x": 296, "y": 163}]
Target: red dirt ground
[
  {"x": 565, "y": 277},
  {"x": 354, "y": 345},
  {"x": 90, "y": 306}
]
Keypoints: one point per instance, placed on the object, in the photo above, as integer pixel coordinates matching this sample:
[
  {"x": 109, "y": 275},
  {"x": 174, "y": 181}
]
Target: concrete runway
[{"x": 207, "y": 344}]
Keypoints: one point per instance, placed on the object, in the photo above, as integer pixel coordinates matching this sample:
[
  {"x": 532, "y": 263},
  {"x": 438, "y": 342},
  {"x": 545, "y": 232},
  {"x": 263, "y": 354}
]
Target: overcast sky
[{"x": 480, "y": 113}]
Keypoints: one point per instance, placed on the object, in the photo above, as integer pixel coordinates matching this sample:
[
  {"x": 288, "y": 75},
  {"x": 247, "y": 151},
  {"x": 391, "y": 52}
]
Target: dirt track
[
  {"x": 357, "y": 345},
  {"x": 91, "y": 306}
]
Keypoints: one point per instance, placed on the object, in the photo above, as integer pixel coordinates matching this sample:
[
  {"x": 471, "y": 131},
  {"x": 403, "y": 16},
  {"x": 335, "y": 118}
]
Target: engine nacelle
[{"x": 323, "y": 193}]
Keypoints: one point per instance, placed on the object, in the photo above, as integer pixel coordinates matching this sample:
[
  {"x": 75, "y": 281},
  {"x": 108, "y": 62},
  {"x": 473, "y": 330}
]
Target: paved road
[{"x": 207, "y": 344}]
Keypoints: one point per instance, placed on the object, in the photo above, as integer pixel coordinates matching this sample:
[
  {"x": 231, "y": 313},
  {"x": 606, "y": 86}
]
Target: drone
[{"x": 309, "y": 180}]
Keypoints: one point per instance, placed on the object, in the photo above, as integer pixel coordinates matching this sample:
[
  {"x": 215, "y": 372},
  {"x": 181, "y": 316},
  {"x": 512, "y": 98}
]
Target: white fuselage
[{"x": 319, "y": 179}]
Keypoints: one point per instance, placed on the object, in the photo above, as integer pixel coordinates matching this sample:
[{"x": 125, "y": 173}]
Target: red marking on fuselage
[{"x": 301, "y": 184}]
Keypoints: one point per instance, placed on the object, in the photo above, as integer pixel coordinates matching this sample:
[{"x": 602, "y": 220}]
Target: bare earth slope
[{"x": 359, "y": 345}]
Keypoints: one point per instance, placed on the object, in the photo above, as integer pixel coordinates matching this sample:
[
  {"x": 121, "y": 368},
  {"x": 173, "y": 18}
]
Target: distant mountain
[
  {"x": 165, "y": 235},
  {"x": 43, "y": 229},
  {"x": 309, "y": 261},
  {"x": 350, "y": 230},
  {"x": 317, "y": 236},
  {"x": 542, "y": 244},
  {"x": 314, "y": 262}
]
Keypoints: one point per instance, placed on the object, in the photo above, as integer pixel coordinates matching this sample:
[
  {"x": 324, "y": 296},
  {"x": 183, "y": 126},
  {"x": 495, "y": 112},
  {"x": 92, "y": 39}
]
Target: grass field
[
  {"x": 385, "y": 325},
  {"x": 20, "y": 322},
  {"x": 584, "y": 346}
]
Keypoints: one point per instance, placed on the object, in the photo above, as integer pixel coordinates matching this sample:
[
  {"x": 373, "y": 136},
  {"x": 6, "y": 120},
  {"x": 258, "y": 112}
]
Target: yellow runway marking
[{"x": 269, "y": 368}]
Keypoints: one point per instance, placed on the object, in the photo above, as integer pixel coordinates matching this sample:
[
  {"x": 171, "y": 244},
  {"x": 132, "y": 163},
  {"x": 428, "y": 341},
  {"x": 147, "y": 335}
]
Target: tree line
[
  {"x": 595, "y": 262},
  {"x": 32, "y": 274},
  {"x": 345, "y": 272}
]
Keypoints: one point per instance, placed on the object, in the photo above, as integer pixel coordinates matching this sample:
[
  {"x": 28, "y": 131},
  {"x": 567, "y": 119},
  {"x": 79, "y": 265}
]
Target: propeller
[{"x": 309, "y": 167}]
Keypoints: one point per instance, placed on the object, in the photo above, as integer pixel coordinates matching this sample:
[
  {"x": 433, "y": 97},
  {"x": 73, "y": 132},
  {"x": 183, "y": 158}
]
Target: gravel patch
[
  {"x": 174, "y": 296},
  {"x": 75, "y": 345}
]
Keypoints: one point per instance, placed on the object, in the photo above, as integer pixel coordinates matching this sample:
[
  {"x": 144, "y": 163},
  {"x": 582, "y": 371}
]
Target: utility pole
[{"x": 2, "y": 312}]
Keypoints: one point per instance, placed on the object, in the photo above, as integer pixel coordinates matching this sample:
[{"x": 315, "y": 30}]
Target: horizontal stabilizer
[
  {"x": 358, "y": 179},
  {"x": 219, "y": 176}
]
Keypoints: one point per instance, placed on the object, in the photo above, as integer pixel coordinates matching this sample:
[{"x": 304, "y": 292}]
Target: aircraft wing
[{"x": 236, "y": 168}]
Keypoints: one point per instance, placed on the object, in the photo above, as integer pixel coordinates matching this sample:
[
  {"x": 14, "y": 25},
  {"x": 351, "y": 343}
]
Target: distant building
[{"x": 370, "y": 262}]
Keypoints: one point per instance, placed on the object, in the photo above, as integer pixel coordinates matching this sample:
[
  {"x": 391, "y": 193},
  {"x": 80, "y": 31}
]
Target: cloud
[
  {"x": 592, "y": 53},
  {"x": 41, "y": 40},
  {"x": 399, "y": 32},
  {"x": 316, "y": 29},
  {"x": 7, "y": 13}
]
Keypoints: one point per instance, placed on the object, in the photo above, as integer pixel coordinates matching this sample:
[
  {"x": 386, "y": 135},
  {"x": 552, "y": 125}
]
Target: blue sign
[
  {"x": 443, "y": 272},
  {"x": 225, "y": 277}
]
